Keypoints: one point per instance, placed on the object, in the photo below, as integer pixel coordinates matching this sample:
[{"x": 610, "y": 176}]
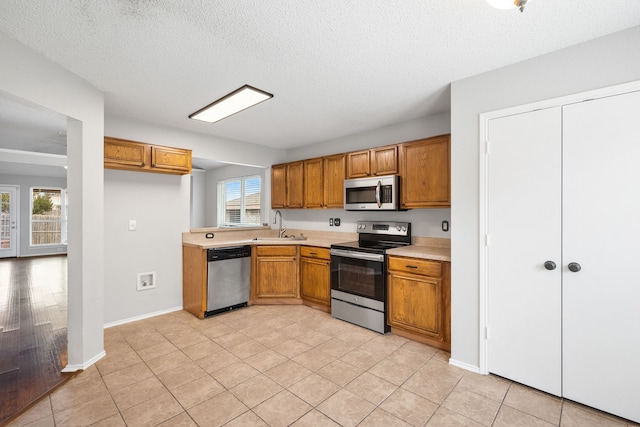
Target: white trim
[
  {"x": 141, "y": 317},
  {"x": 465, "y": 366},
  {"x": 482, "y": 188},
  {"x": 85, "y": 365}
]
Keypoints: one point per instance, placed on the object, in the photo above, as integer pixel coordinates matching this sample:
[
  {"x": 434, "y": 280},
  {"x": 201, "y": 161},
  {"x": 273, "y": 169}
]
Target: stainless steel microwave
[{"x": 372, "y": 194}]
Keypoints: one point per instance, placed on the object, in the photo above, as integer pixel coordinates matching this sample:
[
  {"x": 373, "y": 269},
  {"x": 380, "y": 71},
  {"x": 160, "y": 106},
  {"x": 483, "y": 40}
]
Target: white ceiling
[{"x": 335, "y": 67}]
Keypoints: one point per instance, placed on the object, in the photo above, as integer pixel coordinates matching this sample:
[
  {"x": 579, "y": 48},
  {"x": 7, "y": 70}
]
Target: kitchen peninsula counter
[{"x": 422, "y": 247}]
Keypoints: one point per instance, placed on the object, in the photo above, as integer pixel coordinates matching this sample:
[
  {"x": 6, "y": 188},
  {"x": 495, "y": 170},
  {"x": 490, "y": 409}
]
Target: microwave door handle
[{"x": 378, "y": 194}]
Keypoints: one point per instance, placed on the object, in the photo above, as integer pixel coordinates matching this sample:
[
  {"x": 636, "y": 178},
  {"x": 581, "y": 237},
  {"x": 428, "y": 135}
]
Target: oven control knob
[
  {"x": 404, "y": 228},
  {"x": 398, "y": 228}
]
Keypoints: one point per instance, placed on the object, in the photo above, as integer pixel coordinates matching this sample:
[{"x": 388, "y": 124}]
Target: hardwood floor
[{"x": 33, "y": 330}]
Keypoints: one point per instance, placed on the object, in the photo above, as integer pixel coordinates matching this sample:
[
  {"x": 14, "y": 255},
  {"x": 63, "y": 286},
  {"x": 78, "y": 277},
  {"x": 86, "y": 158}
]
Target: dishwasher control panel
[{"x": 219, "y": 254}]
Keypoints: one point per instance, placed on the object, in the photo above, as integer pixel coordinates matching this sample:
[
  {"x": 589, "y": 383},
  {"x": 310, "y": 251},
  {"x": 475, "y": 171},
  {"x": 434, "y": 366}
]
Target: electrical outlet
[
  {"x": 336, "y": 222},
  {"x": 132, "y": 225},
  {"x": 445, "y": 226},
  {"x": 330, "y": 222}
]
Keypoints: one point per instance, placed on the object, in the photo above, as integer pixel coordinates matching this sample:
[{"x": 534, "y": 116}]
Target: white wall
[
  {"x": 198, "y": 198},
  {"x": 424, "y": 222},
  {"x": 25, "y": 183},
  {"x": 599, "y": 63},
  {"x": 33, "y": 78},
  {"x": 159, "y": 204}
]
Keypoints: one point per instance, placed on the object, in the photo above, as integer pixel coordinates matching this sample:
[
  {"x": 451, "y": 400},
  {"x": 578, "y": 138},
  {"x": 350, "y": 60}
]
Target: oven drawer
[{"x": 415, "y": 266}]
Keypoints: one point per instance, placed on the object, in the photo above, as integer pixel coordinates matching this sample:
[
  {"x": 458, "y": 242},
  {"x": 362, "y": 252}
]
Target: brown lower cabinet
[
  {"x": 419, "y": 300},
  {"x": 274, "y": 275},
  {"x": 315, "y": 277}
]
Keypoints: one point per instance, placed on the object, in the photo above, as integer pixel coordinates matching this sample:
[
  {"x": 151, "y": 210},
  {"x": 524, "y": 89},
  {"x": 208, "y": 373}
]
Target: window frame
[
  {"x": 63, "y": 216},
  {"x": 221, "y": 199}
]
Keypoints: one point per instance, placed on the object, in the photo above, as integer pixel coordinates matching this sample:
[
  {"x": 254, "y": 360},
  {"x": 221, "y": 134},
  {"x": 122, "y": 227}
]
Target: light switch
[{"x": 132, "y": 225}]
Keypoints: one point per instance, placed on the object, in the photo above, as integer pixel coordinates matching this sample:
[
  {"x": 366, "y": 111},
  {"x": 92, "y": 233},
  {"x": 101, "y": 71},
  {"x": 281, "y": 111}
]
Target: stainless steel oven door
[{"x": 358, "y": 273}]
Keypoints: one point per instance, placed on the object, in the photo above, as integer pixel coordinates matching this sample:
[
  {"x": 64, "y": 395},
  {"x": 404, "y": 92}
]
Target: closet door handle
[
  {"x": 550, "y": 265},
  {"x": 574, "y": 267}
]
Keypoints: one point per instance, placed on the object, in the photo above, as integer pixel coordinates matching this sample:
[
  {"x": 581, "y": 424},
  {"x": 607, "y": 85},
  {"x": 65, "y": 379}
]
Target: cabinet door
[
  {"x": 358, "y": 164},
  {"x": 295, "y": 185},
  {"x": 278, "y": 186},
  {"x": 172, "y": 160},
  {"x": 334, "y": 181},
  {"x": 313, "y": 183},
  {"x": 601, "y": 232},
  {"x": 415, "y": 304},
  {"x": 119, "y": 153},
  {"x": 524, "y": 230},
  {"x": 315, "y": 280},
  {"x": 425, "y": 172},
  {"x": 384, "y": 160},
  {"x": 277, "y": 277}
]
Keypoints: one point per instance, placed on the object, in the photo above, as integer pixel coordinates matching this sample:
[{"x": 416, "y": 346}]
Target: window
[
  {"x": 239, "y": 202},
  {"x": 48, "y": 216}
]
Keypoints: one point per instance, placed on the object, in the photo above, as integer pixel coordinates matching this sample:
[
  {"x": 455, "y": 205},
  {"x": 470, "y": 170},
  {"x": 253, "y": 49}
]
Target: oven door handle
[
  {"x": 358, "y": 255},
  {"x": 378, "y": 194}
]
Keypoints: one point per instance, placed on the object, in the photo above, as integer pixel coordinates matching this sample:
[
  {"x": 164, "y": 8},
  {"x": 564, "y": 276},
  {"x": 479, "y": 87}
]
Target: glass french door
[{"x": 8, "y": 222}]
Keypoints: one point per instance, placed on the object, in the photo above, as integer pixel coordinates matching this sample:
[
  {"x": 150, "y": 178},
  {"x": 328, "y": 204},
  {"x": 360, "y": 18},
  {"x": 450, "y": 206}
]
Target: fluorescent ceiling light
[
  {"x": 238, "y": 100},
  {"x": 508, "y": 4}
]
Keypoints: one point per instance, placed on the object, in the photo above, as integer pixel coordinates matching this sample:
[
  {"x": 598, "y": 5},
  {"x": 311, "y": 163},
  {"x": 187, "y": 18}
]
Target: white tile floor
[{"x": 287, "y": 365}]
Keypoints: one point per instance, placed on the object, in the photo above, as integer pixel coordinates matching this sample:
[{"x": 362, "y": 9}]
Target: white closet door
[
  {"x": 601, "y": 318},
  {"x": 524, "y": 231}
]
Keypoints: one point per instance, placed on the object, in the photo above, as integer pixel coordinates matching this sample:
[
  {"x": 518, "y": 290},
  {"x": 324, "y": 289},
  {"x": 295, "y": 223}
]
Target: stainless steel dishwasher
[{"x": 228, "y": 278}]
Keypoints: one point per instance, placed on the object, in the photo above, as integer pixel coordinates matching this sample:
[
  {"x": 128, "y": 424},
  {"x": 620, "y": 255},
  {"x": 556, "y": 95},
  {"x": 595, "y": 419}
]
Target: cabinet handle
[
  {"x": 411, "y": 266},
  {"x": 550, "y": 265},
  {"x": 313, "y": 253},
  {"x": 153, "y": 165},
  {"x": 144, "y": 164},
  {"x": 574, "y": 267}
]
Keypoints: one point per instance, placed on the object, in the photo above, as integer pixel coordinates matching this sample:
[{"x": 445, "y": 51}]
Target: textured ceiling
[{"x": 335, "y": 67}]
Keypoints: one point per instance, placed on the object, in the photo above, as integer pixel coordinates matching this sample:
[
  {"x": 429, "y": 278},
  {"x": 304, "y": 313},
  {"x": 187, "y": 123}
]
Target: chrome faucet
[{"x": 280, "y": 229}]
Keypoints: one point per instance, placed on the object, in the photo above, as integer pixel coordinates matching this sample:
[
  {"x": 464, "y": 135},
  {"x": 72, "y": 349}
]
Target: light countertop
[{"x": 423, "y": 247}]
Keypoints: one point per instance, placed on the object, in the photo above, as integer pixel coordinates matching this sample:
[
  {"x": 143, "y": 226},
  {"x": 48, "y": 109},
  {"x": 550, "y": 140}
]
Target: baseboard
[
  {"x": 464, "y": 366},
  {"x": 85, "y": 365},
  {"x": 142, "y": 316}
]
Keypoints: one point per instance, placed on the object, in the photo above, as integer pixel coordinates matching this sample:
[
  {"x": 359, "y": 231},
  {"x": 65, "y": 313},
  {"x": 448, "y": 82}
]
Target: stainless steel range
[{"x": 359, "y": 273}]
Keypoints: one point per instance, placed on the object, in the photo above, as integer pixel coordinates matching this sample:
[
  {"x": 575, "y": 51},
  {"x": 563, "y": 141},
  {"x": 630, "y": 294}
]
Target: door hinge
[
  {"x": 486, "y": 147},
  {"x": 486, "y": 333},
  {"x": 486, "y": 240}
]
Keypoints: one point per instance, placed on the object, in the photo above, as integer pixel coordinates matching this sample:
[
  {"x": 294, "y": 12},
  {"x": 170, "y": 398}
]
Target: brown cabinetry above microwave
[
  {"x": 373, "y": 162},
  {"x": 137, "y": 156},
  {"x": 423, "y": 166}
]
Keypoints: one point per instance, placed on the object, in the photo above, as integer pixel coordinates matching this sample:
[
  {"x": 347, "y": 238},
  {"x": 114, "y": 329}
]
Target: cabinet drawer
[
  {"x": 276, "y": 250},
  {"x": 416, "y": 266},
  {"x": 314, "y": 252}
]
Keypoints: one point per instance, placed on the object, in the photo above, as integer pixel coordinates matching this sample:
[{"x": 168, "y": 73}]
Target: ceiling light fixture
[
  {"x": 238, "y": 100},
  {"x": 508, "y": 4}
]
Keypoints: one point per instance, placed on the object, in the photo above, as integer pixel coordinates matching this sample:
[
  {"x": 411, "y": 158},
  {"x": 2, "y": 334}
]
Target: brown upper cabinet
[
  {"x": 425, "y": 171},
  {"x": 373, "y": 162},
  {"x": 287, "y": 185},
  {"x": 334, "y": 181},
  {"x": 314, "y": 183},
  {"x": 137, "y": 156},
  {"x": 324, "y": 182}
]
